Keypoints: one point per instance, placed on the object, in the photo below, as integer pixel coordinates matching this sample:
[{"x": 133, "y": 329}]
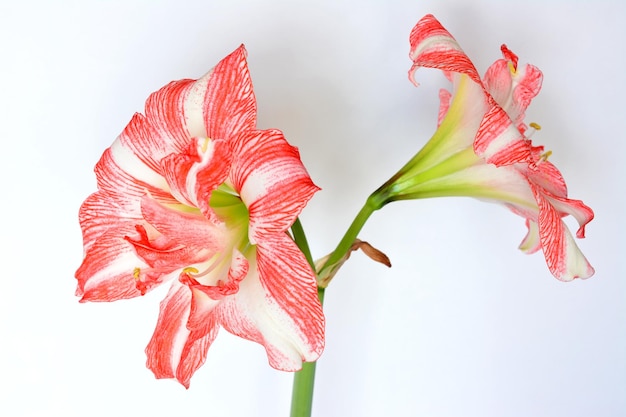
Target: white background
[{"x": 462, "y": 325}]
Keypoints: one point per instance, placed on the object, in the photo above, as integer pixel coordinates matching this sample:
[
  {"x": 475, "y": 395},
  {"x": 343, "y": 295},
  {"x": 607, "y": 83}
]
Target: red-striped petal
[
  {"x": 271, "y": 180},
  {"x": 432, "y": 46},
  {"x": 499, "y": 142},
  {"x": 278, "y": 306},
  {"x": 564, "y": 258},
  {"x": 229, "y": 104},
  {"x": 174, "y": 350},
  {"x": 196, "y": 172}
]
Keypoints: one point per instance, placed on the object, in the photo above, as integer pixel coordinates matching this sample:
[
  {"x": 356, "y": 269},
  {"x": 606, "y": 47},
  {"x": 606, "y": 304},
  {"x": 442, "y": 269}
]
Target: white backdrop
[{"x": 462, "y": 325}]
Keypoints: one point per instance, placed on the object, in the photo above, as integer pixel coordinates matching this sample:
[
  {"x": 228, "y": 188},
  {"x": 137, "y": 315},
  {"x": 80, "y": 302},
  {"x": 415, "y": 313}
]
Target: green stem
[
  {"x": 304, "y": 380},
  {"x": 303, "y": 383},
  {"x": 300, "y": 238},
  {"x": 373, "y": 203}
]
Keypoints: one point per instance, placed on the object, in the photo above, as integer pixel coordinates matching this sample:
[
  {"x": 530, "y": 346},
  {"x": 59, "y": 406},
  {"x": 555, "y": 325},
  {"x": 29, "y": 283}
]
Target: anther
[
  {"x": 511, "y": 67},
  {"x": 136, "y": 272},
  {"x": 544, "y": 157},
  {"x": 205, "y": 145},
  {"x": 535, "y": 127},
  {"x": 190, "y": 270}
]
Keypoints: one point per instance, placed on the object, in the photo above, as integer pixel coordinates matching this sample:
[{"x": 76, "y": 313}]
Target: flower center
[{"x": 231, "y": 210}]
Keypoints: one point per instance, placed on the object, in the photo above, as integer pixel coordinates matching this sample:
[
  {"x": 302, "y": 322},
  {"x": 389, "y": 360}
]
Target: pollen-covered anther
[
  {"x": 512, "y": 67},
  {"x": 196, "y": 273},
  {"x": 544, "y": 156},
  {"x": 136, "y": 273},
  {"x": 534, "y": 127}
]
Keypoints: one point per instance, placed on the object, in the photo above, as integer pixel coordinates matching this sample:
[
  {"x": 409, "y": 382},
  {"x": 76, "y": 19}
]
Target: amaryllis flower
[
  {"x": 192, "y": 191},
  {"x": 482, "y": 149}
]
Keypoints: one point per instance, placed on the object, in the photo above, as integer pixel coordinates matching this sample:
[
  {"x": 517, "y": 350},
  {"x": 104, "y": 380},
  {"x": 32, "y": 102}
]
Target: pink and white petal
[
  {"x": 499, "y": 142},
  {"x": 277, "y": 306},
  {"x": 513, "y": 88},
  {"x": 183, "y": 227},
  {"x": 169, "y": 345},
  {"x": 526, "y": 86},
  {"x": 291, "y": 286},
  {"x": 582, "y": 213},
  {"x": 199, "y": 338},
  {"x": 106, "y": 273},
  {"x": 272, "y": 182},
  {"x": 165, "y": 112},
  {"x": 194, "y": 174},
  {"x": 531, "y": 242},
  {"x": 224, "y": 98},
  {"x": 547, "y": 176},
  {"x": 564, "y": 258},
  {"x": 121, "y": 185},
  {"x": 498, "y": 82},
  {"x": 126, "y": 155},
  {"x": 140, "y": 141},
  {"x": 432, "y": 46},
  {"x": 118, "y": 200},
  {"x": 445, "y": 98}
]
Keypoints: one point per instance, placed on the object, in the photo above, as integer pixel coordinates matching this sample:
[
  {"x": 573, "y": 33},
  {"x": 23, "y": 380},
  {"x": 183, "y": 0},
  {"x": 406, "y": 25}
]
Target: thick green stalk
[
  {"x": 300, "y": 238},
  {"x": 303, "y": 383},
  {"x": 304, "y": 380},
  {"x": 373, "y": 203}
]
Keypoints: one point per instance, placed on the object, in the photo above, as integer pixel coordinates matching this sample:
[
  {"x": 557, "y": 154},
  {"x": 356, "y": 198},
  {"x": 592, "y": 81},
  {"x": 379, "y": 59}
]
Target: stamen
[
  {"x": 215, "y": 263},
  {"x": 511, "y": 67},
  {"x": 136, "y": 272},
  {"x": 533, "y": 128},
  {"x": 205, "y": 145},
  {"x": 544, "y": 157}
]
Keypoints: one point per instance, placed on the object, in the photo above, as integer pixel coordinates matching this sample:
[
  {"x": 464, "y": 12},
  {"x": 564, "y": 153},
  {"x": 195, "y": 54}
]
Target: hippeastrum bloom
[
  {"x": 482, "y": 149},
  {"x": 193, "y": 191}
]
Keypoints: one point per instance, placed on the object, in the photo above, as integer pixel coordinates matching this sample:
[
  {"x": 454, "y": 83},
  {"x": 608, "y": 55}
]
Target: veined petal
[
  {"x": 498, "y": 81},
  {"x": 277, "y": 306},
  {"x": 139, "y": 167},
  {"x": 106, "y": 273},
  {"x": 107, "y": 218},
  {"x": 432, "y": 46},
  {"x": 292, "y": 286},
  {"x": 499, "y": 142},
  {"x": 165, "y": 112},
  {"x": 513, "y": 88},
  {"x": 175, "y": 351},
  {"x": 531, "y": 242},
  {"x": 117, "y": 200},
  {"x": 564, "y": 258},
  {"x": 271, "y": 181},
  {"x": 547, "y": 176},
  {"x": 194, "y": 174},
  {"x": 189, "y": 228},
  {"x": 445, "y": 98},
  {"x": 576, "y": 208},
  {"x": 226, "y": 98},
  {"x": 173, "y": 239}
]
